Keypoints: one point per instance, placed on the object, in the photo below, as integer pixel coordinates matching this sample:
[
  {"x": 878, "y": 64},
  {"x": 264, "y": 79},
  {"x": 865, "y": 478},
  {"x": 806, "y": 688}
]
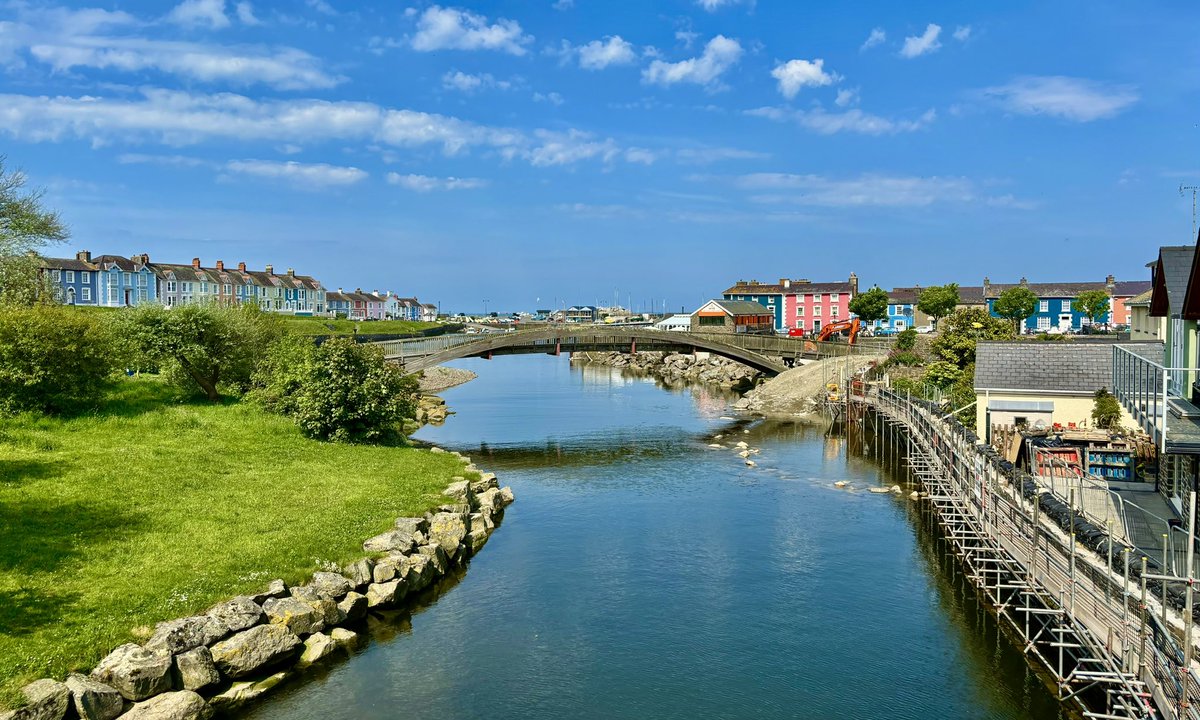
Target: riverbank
[
  {"x": 439, "y": 378},
  {"x": 678, "y": 367},
  {"x": 798, "y": 393},
  {"x": 150, "y": 509}
]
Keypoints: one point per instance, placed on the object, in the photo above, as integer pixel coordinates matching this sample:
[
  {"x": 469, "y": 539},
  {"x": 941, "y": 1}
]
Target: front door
[{"x": 1064, "y": 322}]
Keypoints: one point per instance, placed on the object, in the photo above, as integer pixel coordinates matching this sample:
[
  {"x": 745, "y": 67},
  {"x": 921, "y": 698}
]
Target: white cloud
[
  {"x": 468, "y": 83},
  {"x": 847, "y": 97},
  {"x": 1069, "y": 98},
  {"x": 284, "y": 68},
  {"x": 613, "y": 50},
  {"x": 451, "y": 29},
  {"x": 715, "y": 5},
  {"x": 720, "y": 54},
  {"x": 863, "y": 191},
  {"x": 705, "y": 156},
  {"x": 563, "y": 4},
  {"x": 168, "y": 160},
  {"x": 1011, "y": 201},
  {"x": 553, "y": 98},
  {"x": 640, "y": 155},
  {"x": 557, "y": 148},
  {"x": 962, "y": 33},
  {"x": 855, "y": 120},
  {"x": 321, "y": 6},
  {"x": 245, "y": 13},
  {"x": 923, "y": 44},
  {"x": 428, "y": 183},
  {"x": 795, "y": 74},
  {"x": 877, "y": 37},
  {"x": 196, "y": 13},
  {"x": 313, "y": 176}
]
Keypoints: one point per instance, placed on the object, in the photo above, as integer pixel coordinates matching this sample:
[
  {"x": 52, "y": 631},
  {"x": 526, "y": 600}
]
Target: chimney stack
[
  {"x": 987, "y": 288},
  {"x": 84, "y": 256},
  {"x": 1024, "y": 283},
  {"x": 1110, "y": 283},
  {"x": 221, "y": 265},
  {"x": 143, "y": 259},
  {"x": 270, "y": 269},
  {"x": 853, "y": 284},
  {"x": 785, "y": 283},
  {"x": 196, "y": 263},
  {"x": 241, "y": 267},
  {"x": 291, "y": 273}
]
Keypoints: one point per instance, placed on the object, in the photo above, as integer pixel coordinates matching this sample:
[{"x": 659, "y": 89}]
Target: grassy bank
[
  {"x": 327, "y": 326},
  {"x": 151, "y": 510}
]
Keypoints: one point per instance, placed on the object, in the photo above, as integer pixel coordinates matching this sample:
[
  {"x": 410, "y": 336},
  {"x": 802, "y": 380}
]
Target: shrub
[
  {"x": 959, "y": 333},
  {"x": 1106, "y": 410},
  {"x": 942, "y": 374},
  {"x": 348, "y": 393},
  {"x": 52, "y": 359},
  {"x": 906, "y": 340},
  {"x": 907, "y": 359},
  {"x": 281, "y": 373}
]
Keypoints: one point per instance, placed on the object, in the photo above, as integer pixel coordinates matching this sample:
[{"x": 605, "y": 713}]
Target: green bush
[
  {"x": 1106, "y": 410},
  {"x": 906, "y": 340},
  {"x": 905, "y": 358},
  {"x": 339, "y": 391},
  {"x": 52, "y": 359},
  {"x": 959, "y": 332},
  {"x": 941, "y": 374}
]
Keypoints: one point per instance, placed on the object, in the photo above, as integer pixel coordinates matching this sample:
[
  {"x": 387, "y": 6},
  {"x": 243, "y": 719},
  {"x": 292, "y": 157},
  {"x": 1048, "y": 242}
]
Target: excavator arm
[{"x": 854, "y": 325}]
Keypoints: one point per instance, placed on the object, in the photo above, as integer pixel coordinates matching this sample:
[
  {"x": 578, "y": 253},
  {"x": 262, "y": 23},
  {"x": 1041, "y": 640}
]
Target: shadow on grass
[
  {"x": 15, "y": 471},
  {"x": 24, "y": 610},
  {"x": 38, "y": 536}
]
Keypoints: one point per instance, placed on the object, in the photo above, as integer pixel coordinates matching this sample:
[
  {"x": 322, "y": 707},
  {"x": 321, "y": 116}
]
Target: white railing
[{"x": 1145, "y": 387}]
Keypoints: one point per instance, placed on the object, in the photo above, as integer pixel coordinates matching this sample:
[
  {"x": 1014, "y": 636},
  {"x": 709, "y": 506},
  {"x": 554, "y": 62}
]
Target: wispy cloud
[
  {"x": 720, "y": 54},
  {"x": 246, "y": 16},
  {"x": 200, "y": 13},
  {"x": 313, "y": 176},
  {"x": 559, "y": 148},
  {"x": 862, "y": 191},
  {"x": 715, "y": 5},
  {"x": 428, "y": 183},
  {"x": 441, "y": 28},
  {"x": 962, "y": 33},
  {"x": 854, "y": 120},
  {"x": 612, "y": 50},
  {"x": 796, "y": 74},
  {"x": 877, "y": 37},
  {"x": 1074, "y": 99},
  {"x": 468, "y": 83},
  {"x": 923, "y": 44}
]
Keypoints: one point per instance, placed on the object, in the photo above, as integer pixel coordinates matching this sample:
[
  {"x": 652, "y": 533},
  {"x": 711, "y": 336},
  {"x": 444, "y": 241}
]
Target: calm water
[{"x": 643, "y": 575}]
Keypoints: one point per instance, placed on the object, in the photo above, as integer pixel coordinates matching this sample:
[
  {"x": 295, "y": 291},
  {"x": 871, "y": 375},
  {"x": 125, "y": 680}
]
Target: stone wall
[
  {"x": 240, "y": 649},
  {"x": 713, "y": 369}
]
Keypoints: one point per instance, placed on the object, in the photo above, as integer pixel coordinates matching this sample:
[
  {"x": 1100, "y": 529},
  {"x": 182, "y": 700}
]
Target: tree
[
  {"x": 1016, "y": 304},
  {"x": 25, "y": 228},
  {"x": 1092, "y": 303},
  {"x": 871, "y": 305},
  {"x": 200, "y": 346},
  {"x": 961, "y": 330},
  {"x": 1106, "y": 410},
  {"x": 52, "y": 359},
  {"x": 938, "y": 301}
]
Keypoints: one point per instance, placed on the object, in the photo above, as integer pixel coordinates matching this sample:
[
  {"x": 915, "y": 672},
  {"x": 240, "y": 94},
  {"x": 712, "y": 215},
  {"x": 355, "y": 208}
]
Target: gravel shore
[{"x": 437, "y": 379}]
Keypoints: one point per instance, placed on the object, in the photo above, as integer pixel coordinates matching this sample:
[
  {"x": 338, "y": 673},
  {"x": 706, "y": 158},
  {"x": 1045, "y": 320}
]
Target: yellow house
[
  {"x": 1040, "y": 383},
  {"x": 1142, "y": 327}
]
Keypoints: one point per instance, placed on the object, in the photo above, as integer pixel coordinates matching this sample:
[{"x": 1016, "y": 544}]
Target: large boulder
[
  {"x": 256, "y": 649},
  {"x": 344, "y": 638},
  {"x": 438, "y": 560},
  {"x": 359, "y": 572},
  {"x": 94, "y": 700},
  {"x": 331, "y": 585},
  {"x": 317, "y": 647},
  {"x": 45, "y": 700},
  {"x": 238, "y": 614},
  {"x": 176, "y": 636},
  {"x": 383, "y": 594},
  {"x": 240, "y": 693},
  {"x": 326, "y": 606},
  {"x": 448, "y": 529},
  {"x": 135, "y": 672},
  {"x": 392, "y": 540},
  {"x": 182, "y": 705},
  {"x": 352, "y": 608},
  {"x": 295, "y": 614},
  {"x": 412, "y": 525},
  {"x": 195, "y": 669},
  {"x": 276, "y": 589}
]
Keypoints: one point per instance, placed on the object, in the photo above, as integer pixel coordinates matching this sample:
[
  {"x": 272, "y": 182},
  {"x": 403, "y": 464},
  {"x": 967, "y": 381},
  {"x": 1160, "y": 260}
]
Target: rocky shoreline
[
  {"x": 439, "y": 378},
  {"x": 239, "y": 650},
  {"x": 700, "y": 368}
]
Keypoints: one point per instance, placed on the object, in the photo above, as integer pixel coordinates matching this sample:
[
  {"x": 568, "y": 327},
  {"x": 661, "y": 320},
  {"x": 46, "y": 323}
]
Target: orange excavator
[{"x": 854, "y": 325}]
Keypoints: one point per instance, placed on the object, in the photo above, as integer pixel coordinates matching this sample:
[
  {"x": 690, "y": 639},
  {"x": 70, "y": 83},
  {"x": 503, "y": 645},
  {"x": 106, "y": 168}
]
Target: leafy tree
[
  {"x": 52, "y": 359},
  {"x": 961, "y": 330},
  {"x": 938, "y": 301},
  {"x": 1092, "y": 303},
  {"x": 1106, "y": 410},
  {"x": 201, "y": 346},
  {"x": 871, "y": 305},
  {"x": 942, "y": 374},
  {"x": 907, "y": 339},
  {"x": 1016, "y": 303},
  {"x": 25, "y": 228},
  {"x": 349, "y": 393}
]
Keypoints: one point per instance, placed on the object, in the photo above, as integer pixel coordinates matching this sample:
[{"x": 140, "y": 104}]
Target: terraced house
[
  {"x": 799, "y": 304},
  {"x": 288, "y": 293},
  {"x": 104, "y": 281},
  {"x": 1055, "y": 300}
]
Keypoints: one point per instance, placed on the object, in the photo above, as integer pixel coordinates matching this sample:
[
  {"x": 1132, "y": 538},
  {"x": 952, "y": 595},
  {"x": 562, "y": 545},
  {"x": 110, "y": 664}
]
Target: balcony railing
[{"x": 1147, "y": 388}]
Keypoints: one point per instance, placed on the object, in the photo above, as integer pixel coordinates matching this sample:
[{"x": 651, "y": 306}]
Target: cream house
[{"x": 1031, "y": 383}]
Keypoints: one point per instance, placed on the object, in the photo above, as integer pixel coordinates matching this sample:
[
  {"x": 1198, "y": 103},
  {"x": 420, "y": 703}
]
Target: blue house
[
  {"x": 1054, "y": 303},
  {"x": 902, "y": 310},
  {"x": 124, "y": 282},
  {"x": 74, "y": 279}
]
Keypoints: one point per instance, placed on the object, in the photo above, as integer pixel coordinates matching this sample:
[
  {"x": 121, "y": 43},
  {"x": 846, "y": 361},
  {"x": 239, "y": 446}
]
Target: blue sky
[{"x": 528, "y": 152}]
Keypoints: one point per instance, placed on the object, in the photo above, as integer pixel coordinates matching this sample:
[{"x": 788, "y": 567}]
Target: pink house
[{"x": 812, "y": 306}]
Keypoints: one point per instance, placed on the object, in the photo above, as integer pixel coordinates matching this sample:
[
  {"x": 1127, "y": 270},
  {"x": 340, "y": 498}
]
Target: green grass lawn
[
  {"x": 328, "y": 326},
  {"x": 151, "y": 510}
]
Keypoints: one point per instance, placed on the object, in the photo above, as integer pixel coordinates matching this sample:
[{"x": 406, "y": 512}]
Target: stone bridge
[{"x": 768, "y": 353}]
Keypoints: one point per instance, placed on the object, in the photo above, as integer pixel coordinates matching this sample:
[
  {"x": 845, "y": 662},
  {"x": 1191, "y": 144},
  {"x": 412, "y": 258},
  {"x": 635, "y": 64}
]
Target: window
[
  {"x": 203, "y": 287},
  {"x": 1066, "y": 306},
  {"x": 228, "y": 289},
  {"x": 816, "y": 309},
  {"x": 1044, "y": 306},
  {"x": 718, "y": 320},
  {"x": 1043, "y": 323},
  {"x": 833, "y": 311},
  {"x": 141, "y": 280},
  {"x": 55, "y": 276},
  {"x": 142, "y": 295},
  {"x": 170, "y": 286},
  {"x": 833, "y": 297},
  {"x": 799, "y": 324},
  {"x": 186, "y": 287},
  {"x": 126, "y": 277},
  {"x": 85, "y": 276},
  {"x": 86, "y": 294},
  {"x": 70, "y": 276},
  {"x": 799, "y": 309}
]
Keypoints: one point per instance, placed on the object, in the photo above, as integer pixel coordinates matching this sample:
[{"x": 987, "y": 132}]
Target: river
[{"x": 641, "y": 574}]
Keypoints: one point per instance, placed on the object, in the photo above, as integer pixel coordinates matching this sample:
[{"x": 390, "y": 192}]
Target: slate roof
[
  {"x": 66, "y": 264},
  {"x": 1175, "y": 264},
  {"x": 797, "y": 287},
  {"x": 971, "y": 295},
  {"x": 1034, "y": 366},
  {"x": 1130, "y": 288},
  {"x": 904, "y": 296},
  {"x": 1048, "y": 290},
  {"x": 1140, "y": 299},
  {"x": 742, "y": 307}
]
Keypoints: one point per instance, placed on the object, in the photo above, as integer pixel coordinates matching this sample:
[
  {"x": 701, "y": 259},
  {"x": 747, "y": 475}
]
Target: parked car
[{"x": 924, "y": 329}]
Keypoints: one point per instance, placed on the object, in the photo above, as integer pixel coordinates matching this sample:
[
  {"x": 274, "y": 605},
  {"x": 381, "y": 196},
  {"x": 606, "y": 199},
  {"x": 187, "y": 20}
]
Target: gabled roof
[
  {"x": 1171, "y": 274},
  {"x": 971, "y": 295},
  {"x": 796, "y": 287},
  {"x": 1048, "y": 290},
  {"x": 1191, "y": 297},
  {"x": 65, "y": 264},
  {"x": 1033, "y": 366},
  {"x": 1131, "y": 288},
  {"x": 734, "y": 308},
  {"x": 1140, "y": 299}
]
